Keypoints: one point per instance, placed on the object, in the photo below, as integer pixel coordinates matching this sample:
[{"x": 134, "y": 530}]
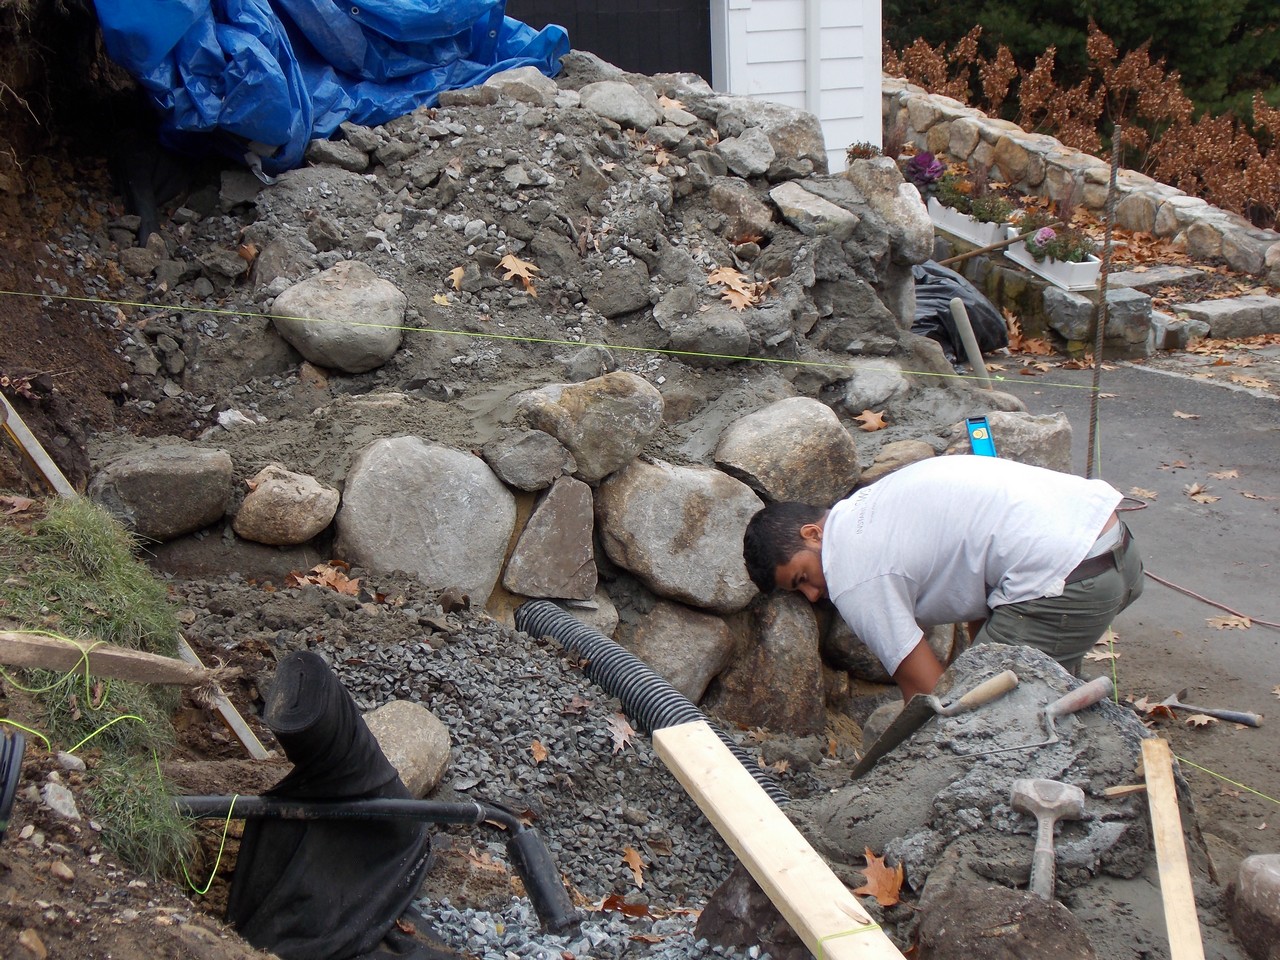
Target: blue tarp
[{"x": 267, "y": 76}]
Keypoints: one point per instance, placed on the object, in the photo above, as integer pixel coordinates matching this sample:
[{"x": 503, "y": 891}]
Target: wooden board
[
  {"x": 820, "y": 909},
  {"x": 1171, "y": 853},
  {"x": 226, "y": 709},
  {"x": 22, "y": 649},
  {"x": 17, "y": 430}
]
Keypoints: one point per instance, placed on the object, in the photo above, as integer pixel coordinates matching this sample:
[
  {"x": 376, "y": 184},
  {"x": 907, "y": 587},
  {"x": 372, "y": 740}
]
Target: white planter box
[
  {"x": 1061, "y": 273},
  {"x": 964, "y": 226}
]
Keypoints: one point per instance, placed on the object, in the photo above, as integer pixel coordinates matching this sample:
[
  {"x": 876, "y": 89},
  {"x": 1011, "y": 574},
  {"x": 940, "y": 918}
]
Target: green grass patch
[
  {"x": 70, "y": 570},
  {"x": 140, "y": 824}
]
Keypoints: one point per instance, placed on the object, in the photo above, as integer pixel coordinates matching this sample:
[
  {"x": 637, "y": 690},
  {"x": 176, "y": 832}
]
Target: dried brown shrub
[{"x": 1217, "y": 158}]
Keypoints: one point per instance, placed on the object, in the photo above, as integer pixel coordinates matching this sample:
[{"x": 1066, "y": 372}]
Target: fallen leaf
[
  {"x": 871, "y": 420},
  {"x": 440, "y": 300},
  {"x": 620, "y": 731},
  {"x": 16, "y": 504},
  {"x": 1098, "y": 655},
  {"x": 1228, "y": 792},
  {"x": 665, "y": 101},
  {"x": 331, "y": 575},
  {"x": 576, "y": 704},
  {"x": 729, "y": 277},
  {"x": 455, "y": 277},
  {"x": 646, "y": 938},
  {"x": 1107, "y": 396},
  {"x": 1247, "y": 381},
  {"x": 1230, "y": 623},
  {"x": 631, "y": 856},
  {"x": 539, "y": 751},
  {"x": 1200, "y": 720},
  {"x": 618, "y": 904},
  {"x": 737, "y": 299},
  {"x": 518, "y": 269},
  {"x": 1225, "y": 475},
  {"x": 1276, "y": 691},
  {"x": 1186, "y": 416},
  {"x": 883, "y": 882},
  {"x": 1143, "y": 493},
  {"x": 1255, "y": 496},
  {"x": 1199, "y": 493}
]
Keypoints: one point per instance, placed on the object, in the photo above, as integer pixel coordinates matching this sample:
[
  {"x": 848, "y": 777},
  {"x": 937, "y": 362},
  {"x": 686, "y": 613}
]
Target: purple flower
[
  {"x": 1043, "y": 236},
  {"x": 924, "y": 169}
]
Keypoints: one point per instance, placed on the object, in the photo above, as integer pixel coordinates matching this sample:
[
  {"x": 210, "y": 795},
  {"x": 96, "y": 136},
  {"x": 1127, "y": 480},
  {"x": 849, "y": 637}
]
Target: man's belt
[{"x": 1092, "y": 566}]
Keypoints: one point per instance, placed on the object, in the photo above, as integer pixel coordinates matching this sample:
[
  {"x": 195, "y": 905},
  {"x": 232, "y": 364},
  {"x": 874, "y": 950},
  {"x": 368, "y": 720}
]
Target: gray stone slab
[
  {"x": 1154, "y": 277},
  {"x": 1236, "y": 317}
]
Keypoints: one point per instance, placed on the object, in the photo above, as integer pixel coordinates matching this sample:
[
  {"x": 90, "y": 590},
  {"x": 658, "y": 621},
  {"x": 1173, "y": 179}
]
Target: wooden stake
[
  {"x": 1171, "y": 853},
  {"x": 820, "y": 909},
  {"x": 226, "y": 709},
  {"x": 28, "y": 444},
  {"x": 20, "y": 649}
]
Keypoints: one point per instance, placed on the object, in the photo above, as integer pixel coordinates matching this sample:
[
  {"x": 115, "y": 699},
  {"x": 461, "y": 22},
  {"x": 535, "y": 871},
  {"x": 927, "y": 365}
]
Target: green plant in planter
[
  {"x": 953, "y": 190},
  {"x": 990, "y": 208},
  {"x": 1066, "y": 246},
  {"x": 862, "y": 150}
]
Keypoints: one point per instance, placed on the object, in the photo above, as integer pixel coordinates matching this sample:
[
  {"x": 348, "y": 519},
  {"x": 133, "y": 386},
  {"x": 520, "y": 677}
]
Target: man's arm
[{"x": 918, "y": 672}]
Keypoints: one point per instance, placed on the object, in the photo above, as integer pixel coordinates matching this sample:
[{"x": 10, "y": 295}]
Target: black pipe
[
  {"x": 648, "y": 699},
  {"x": 12, "y": 744},
  {"x": 525, "y": 846}
]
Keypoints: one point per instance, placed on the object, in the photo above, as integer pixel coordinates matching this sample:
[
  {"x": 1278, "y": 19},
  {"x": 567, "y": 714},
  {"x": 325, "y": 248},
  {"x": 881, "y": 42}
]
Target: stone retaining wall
[{"x": 1038, "y": 164}]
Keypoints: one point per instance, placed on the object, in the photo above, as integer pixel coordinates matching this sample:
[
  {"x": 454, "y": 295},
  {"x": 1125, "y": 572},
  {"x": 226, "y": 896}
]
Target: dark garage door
[{"x": 642, "y": 36}]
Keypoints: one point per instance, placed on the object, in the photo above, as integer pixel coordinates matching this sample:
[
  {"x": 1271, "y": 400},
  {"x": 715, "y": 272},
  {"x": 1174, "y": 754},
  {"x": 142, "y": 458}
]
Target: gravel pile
[{"x": 598, "y": 792}]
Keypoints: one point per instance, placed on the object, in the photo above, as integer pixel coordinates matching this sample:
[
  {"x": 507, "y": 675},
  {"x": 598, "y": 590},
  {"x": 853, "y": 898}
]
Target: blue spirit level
[{"x": 980, "y": 437}]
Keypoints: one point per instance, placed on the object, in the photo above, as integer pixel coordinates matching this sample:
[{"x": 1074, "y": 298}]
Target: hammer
[{"x": 1048, "y": 801}]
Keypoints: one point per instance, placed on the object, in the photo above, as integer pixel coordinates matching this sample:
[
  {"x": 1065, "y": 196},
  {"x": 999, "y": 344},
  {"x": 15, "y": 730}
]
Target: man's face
[{"x": 803, "y": 574}]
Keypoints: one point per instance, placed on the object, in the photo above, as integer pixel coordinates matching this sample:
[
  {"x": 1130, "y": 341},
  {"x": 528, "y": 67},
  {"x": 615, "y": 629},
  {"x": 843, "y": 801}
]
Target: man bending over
[{"x": 1020, "y": 553}]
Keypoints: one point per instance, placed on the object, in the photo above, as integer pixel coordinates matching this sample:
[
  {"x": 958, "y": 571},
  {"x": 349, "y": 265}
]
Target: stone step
[{"x": 1233, "y": 318}]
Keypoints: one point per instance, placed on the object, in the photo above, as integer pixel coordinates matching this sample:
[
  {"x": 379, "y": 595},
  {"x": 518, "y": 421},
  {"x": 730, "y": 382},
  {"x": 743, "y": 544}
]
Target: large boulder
[
  {"x": 679, "y": 529},
  {"x": 163, "y": 492},
  {"x": 429, "y": 510},
  {"x": 317, "y": 317}
]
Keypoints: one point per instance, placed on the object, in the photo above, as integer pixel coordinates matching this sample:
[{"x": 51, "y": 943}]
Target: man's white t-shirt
[{"x": 945, "y": 539}]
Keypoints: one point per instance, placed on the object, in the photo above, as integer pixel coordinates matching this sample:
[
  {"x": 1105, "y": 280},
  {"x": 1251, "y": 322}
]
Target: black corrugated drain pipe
[{"x": 648, "y": 699}]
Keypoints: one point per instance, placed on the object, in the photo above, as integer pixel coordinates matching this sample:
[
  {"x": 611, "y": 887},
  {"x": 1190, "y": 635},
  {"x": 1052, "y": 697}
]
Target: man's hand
[{"x": 918, "y": 672}]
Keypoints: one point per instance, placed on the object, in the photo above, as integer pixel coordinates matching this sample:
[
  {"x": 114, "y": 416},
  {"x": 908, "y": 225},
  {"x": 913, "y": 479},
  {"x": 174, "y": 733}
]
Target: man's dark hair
[{"x": 773, "y": 538}]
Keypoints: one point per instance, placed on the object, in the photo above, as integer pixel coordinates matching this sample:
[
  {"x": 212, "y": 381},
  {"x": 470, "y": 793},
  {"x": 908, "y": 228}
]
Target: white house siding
[{"x": 820, "y": 55}]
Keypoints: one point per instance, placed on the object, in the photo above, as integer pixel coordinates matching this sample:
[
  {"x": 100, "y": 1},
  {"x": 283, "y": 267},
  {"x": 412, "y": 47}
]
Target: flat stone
[
  {"x": 1153, "y": 277},
  {"x": 1237, "y": 317}
]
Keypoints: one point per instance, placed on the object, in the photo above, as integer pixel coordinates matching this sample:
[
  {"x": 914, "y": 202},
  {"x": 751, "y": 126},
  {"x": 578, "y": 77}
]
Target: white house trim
[{"x": 819, "y": 55}]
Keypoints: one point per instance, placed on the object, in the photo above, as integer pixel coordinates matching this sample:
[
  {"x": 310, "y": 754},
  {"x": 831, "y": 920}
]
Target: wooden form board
[
  {"x": 13, "y": 425},
  {"x": 21, "y": 649},
  {"x": 1179, "y": 899},
  {"x": 226, "y": 709},
  {"x": 820, "y": 909}
]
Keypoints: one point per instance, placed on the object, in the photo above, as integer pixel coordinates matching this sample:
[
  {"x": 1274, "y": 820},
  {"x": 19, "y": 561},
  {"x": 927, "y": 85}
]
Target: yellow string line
[
  {"x": 109, "y": 723},
  {"x": 25, "y": 729},
  {"x": 520, "y": 339},
  {"x": 84, "y": 659},
  {"x": 867, "y": 928},
  {"x": 1234, "y": 783},
  {"x": 222, "y": 845}
]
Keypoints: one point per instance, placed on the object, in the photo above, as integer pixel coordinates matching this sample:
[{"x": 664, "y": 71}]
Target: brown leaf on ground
[
  {"x": 1276, "y": 690},
  {"x": 620, "y": 731},
  {"x": 539, "y": 751},
  {"x": 518, "y": 269},
  {"x": 576, "y": 704},
  {"x": 1245, "y": 380},
  {"x": 16, "y": 504},
  {"x": 455, "y": 277},
  {"x": 1199, "y": 493},
  {"x": 1186, "y": 416},
  {"x": 1199, "y": 720},
  {"x": 1255, "y": 496},
  {"x": 1100, "y": 655},
  {"x": 1142, "y": 493},
  {"x": 871, "y": 420},
  {"x": 883, "y": 882},
  {"x": 1225, "y": 475},
  {"x": 1230, "y": 622},
  {"x": 631, "y": 856},
  {"x": 737, "y": 299},
  {"x": 331, "y": 575},
  {"x": 619, "y": 904}
]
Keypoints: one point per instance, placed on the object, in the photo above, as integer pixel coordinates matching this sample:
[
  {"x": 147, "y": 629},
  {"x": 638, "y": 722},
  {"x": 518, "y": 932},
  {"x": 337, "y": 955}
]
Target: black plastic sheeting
[
  {"x": 327, "y": 890},
  {"x": 935, "y": 288}
]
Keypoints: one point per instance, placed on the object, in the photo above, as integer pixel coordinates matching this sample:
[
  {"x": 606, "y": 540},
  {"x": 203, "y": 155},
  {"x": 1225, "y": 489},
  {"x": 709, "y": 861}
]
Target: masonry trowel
[{"x": 924, "y": 706}]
